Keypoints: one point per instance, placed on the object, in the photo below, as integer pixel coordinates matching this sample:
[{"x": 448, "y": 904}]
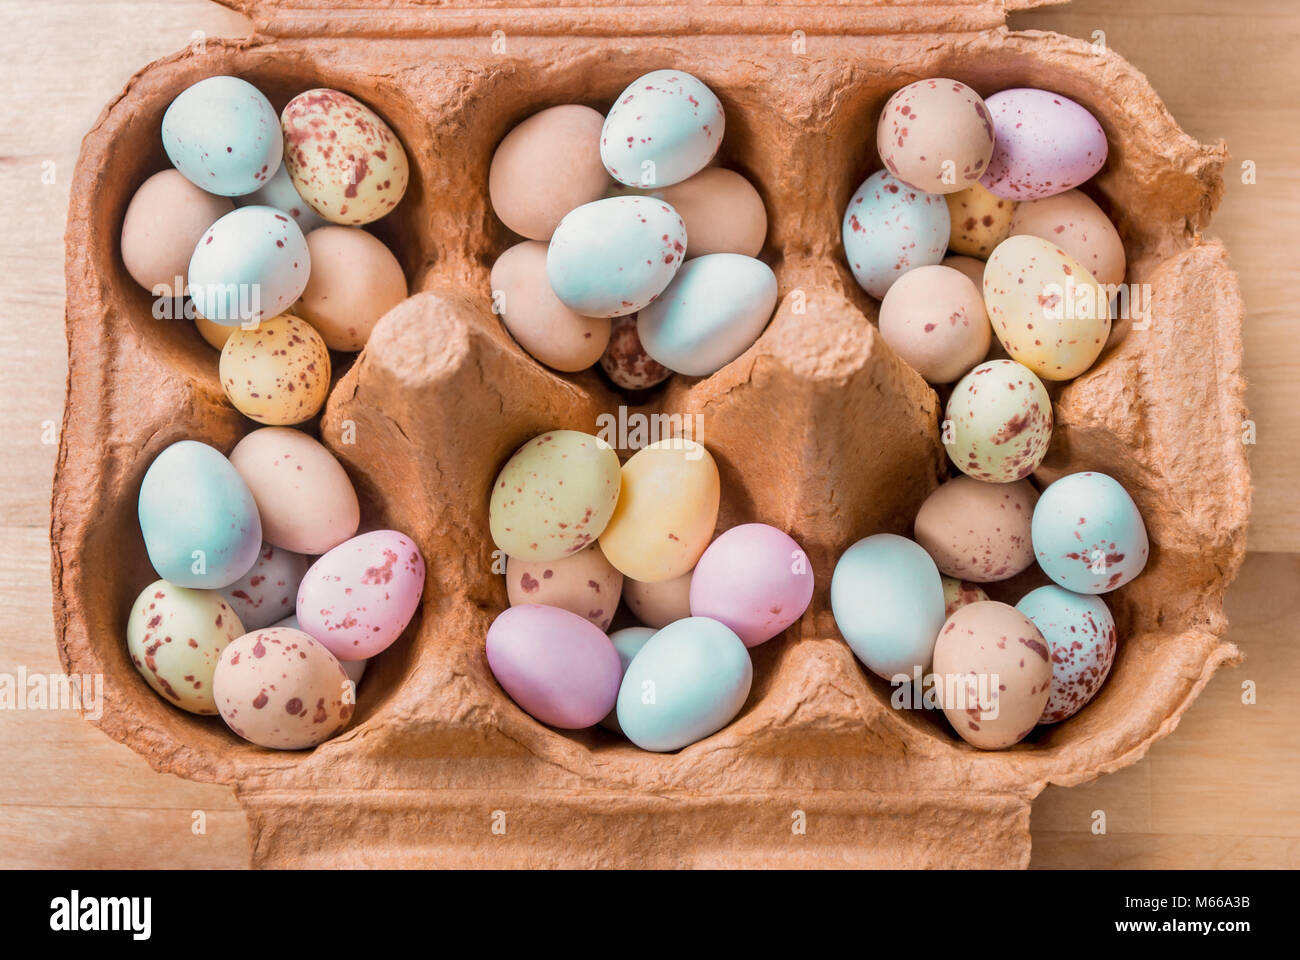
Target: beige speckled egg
[
  {"x": 164, "y": 221},
  {"x": 216, "y": 334},
  {"x": 625, "y": 360},
  {"x": 554, "y": 496},
  {"x": 354, "y": 281},
  {"x": 342, "y": 158},
  {"x": 666, "y": 512},
  {"x": 980, "y": 220},
  {"x": 548, "y": 331},
  {"x": 279, "y": 688},
  {"x": 1079, "y": 227},
  {"x": 1045, "y": 307},
  {"x": 659, "y": 604},
  {"x": 934, "y": 319},
  {"x": 175, "y": 636},
  {"x": 584, "y": 583},
  {"x": 978, "y": 531},
  {"x": 994, "y": 674},
  {"x": 959, "y": 593},
  {"x": 276, "y": 373},
  {"x": 998, "y": 422},
  {"x": 935, "y": 135},
  {"x": 722, "y": 211}
]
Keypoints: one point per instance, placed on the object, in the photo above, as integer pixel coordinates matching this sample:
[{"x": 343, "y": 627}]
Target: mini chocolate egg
[
  {"x": 933, "y": 317},
  {"x": 222, "y": 134},
  {"x": 163, "y": 223},
  {"x": 972, "y": 268},
  {"x": 280, "y": 689},
  {"x": 978, "y": 531},
  {"x": 935, "y": 135},
  {"x": 355, "y": 669},
  {"x": 1088, "y": 534},
  {"x": 722, "y": 211},
  {"x": 1078, "y": 226},
  {"x": 628, "y": 642},
  {"x": 175, "y": 636},
  {"x": 354, "y": 281},
  {"x": 958, "y": 593},
  {"x": 659, "y": 604},
  {"x": 664, "y": 127},
  {"x": 890, "y": 228},
  {"x": 625, "y": 360},
  {"x": 755, "y": 579},
  {"x": 305, "y": 498},
  {"x": 666, "y": 511},
  {"x": 614, "y": 256},
  {"x": 583, "y": 583},
  {"x": 278, "y": 372},
  {"x": 546, "y": 166},
  {"x": 1045, "y": 307},
  {"x": 342, "y": 158},
  {"x": 980, "y": 221},
  {"x": 279, "y": 192},
  {"x": 998, "y": 423},
  {"x": 1046, "y": 144},
  {"x": 548, "y": 331},
  {"x": 250, "y": 265},
  {"x": 993, "y": 674},
  {"x": 269, "y": 591},
  {"x": 216, "y": 334},
  {"x": 1080, "y": 632}
]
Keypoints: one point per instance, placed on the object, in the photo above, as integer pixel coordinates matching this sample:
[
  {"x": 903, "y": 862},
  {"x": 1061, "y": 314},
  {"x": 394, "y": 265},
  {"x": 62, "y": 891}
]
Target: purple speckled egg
[
  {"x": 1081, "y": 632},
  {"x": 269, "y": 591},
  {"x": 1046, "y": 144},
  {"x": 755, "y": 579},
  {"x": 889, "y": 228}
]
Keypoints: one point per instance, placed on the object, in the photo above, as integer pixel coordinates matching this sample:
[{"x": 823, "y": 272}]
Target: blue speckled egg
[
  {"x": 628, "y": 642},
  {"x": 1088, "y": 535},
  {"x": 198, "y": 518},
  {"x": 1080, "y": 631},
  {"x": 889, "y": 228},
  {"x": 224, "y": 136},
  {"x": 687, "y": 682},
  {"x": 666, "y": 126},
  {"x": 887, "y": 598},
  {"x": 279, "y": 192},
  {"x": 251, "y": 265}
]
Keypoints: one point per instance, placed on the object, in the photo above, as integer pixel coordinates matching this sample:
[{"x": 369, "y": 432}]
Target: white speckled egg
[
  {"x": 1046, "y": 144},
  {"x": 269, "y": 591},
  {"x": 978, "y": 531},
  {"x": 1080, "y": 632},
  {"x": 279, "y": 192},
  {"x": 584, "y": 583},
  {"x": 1088, "y": 534},
  {"x": 889, "y": 228},
  {"x": 998, "y": 422},
  {"x": 223, "y": 135},
  {"x": 958, "y": 593},
  {"x": 1078, "y": 226},
  {"x": 935, "y": 135},
  {"x": 666, "y": 126},
  {"x": 251, "y": 265},
  {"x": 277, "y": 372}
]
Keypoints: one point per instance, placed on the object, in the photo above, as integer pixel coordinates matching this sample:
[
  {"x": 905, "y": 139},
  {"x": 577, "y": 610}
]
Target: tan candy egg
[
  {"x": 1079, "y": 227},
  {"x": 971, "y": 267},
  {"x": 276, "y": 373},
  {"x": 978, "y": 531},
  {"x": 934, "y": 319},
  {"x": 659, "y": 604},
  {"x": 722, "y": 211},
  {"x": 998, "y": 422},
  {"x": 935, "y": 135},
  {"x": 980, "y": 220},
  {"x": 354, "y": 281},
  {"x": 959, "y": 593},
  {"x": 164, "y": 221},
  {"x": 583, "y": 583}
]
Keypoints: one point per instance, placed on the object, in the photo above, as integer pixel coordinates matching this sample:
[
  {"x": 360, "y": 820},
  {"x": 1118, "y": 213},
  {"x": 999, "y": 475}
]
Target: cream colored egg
[
  {"x": 276, "y": 373},
  {"x": 354, "y": 281},
  {"x": 1079, "y": 227},
  {"x": 659, "y": 604},
  {"x": 216, "y": 334},
  {"x": 164, "y": 220},
  {"x": 980, "y": 220},
  {"x": 978, "y": 531},
  {"x": 998, "y": 423},
  {"x": 584, "y": 583},
  {"x": 934, "y": 318},
  {"x": 959, "y": 593}
]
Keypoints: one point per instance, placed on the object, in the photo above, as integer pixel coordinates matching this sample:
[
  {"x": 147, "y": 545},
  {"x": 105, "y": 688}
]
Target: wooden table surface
[{"x": 1220, "y": 792}]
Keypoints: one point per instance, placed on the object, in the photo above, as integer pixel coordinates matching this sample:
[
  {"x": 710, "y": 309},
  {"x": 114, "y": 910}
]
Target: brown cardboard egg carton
[{"x": 818, "y": 429}]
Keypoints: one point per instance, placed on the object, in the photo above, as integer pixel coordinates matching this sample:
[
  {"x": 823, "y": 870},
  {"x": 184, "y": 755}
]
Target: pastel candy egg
[
  {"x": 216, "y": 334},
  {"x": 890, "y": 228},
  {"x": 198, "y": 517},
  {"x": 998, "y": 422},
  {"x": 711, "y": 313},
  {"x": 175, "y": 636},
  {"x": 584, "y": 583},
  {"x": 933, "y": 317},
  {"x": 355, "y": 669},
  {"x": 1080, "y": 632},
  {"x": 555, "y": 665},
  {"x": 755, "y": 579},
  {"x": 888, "y": 603},
  {"x": 280, "y": 689},
  {"x": 1046, "y": 309},
  {"x": 628, "y": 642},
  {"x": 251, "y": 265},
  {"x": 222, "y": 134},
  {"x": 625, "y": 360},
  {"x": 358, "y": 598},
  {"x": 614, "y": 256},
  {"x": 1088, "y": 534},
  {"x": 354, "y": 281},
  {"x": 554, "y": 496},
  {"x": 722, "y": 211},
  {"x": 973, "y": 269},
  {"x": 935, "y": 135},
  {"x": 666, "y": 126},
  {"x": 978, "y": 531},
  {"x": 659, "y": 604},
  {"x": 1046, "y": 144},
  {"x": 980, "y": 220},
  {"x": 164, "y": 220},
  {"x": 687, "y": 682},
  {"x": 1078, "y": 226},
  {"x": 993, "y": 674},
  {"x": 279, "y": 192},
  {"x": 958, "y": 593},
  {"x": 666, "y": 511},
  {"x": 342, "y": 158},
  {"x": 269, "y": 591},
  {"x": 278, "y": 372}
]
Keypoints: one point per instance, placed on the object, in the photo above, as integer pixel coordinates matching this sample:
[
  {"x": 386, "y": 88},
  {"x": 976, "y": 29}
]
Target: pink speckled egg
[
  {"x": 659, "y": 604},
  {"x": 626, "y": 361},
  {"x": 359, "y": 597},
  {"x": 934, "y": 318},
  {"x": 1046, "y": 144},
  {"x": 935, "y": 135},
  {"x": 584, "y": 583},
  {"x": 1081, "y": 633},
  {"x": 978, "y": 531},
  {"x": 269, "y": 591}
]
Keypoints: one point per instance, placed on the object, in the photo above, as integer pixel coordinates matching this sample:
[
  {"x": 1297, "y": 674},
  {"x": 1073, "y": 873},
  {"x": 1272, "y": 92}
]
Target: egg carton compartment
[{"x": 819, "y": 429}]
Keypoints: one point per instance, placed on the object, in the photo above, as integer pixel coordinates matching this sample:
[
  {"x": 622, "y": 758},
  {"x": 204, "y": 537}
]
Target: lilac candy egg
[
  {"x": 755, "y": 579},
  {"x": 555, "y": 665},
  {"x": 358, "y": 598},
  {"x": 1045, "y": 144},
  {"x": 269, "y": 591},
  {"x": 1080, "y": 631},
  {"x": 889, "y": 228},
  {"x": 1088, "y": 534}
]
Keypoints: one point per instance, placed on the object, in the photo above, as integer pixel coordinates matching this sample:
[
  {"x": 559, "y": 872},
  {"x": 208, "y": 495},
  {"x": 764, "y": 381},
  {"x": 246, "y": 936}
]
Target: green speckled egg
[{"x": 999, "y": 422}]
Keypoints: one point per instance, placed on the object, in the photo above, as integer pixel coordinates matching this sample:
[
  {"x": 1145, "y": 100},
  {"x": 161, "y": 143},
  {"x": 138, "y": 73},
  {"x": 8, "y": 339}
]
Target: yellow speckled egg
[
  {"x": 980, "y": 220},
  {"x": 1045, "y": 307},
  {"x": 666, "y": 511},
  {"x": 276, "y": 373},
  {"x": 1079, "y": 227},
  {"x": 998, "y": 423},
  {"x": 342, "y": 158},
  {"x": 554, "y": 496}
]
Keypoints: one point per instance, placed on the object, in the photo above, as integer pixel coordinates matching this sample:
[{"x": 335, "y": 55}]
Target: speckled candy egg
[
  {"x": 250, "y": 265},
  {"x": 276, "y": 373},
  {"x": 993, "y": 674},
  {"x": 1046, "y": 309},
  {"x": 959, "y": 593},
  {"x": 998, "y": 422},
  {"x": 280, "y": 689},
  {"x": 625, "y": 360},
  {"x": 269, "y": 591},
  {"x": 933, "y": 317},
  {"x": 355, "y": 280},
  {"x": 198, "y": 517},
  {"x": 216, "y": 334},
  {"x": 1080, "y": 632},
  {"x": 279, "y": 192},
  {"x": 666, "y": 511},
  {"x": 222, "y": 134},
  {"x": 555, "y": 496},
  {"x": 980, "y": 220},
  {"x": 659, "y": 604},
  {"x": 722, "y": 211},
  {"x": 164, "y": 220},
  {"x": 1088, "y": 534},
  {"x": 890, "y": 228},
  {"x": 175, "y": 636},
  {"x": 1046, "y": 144},
  {"x": 614, "y": 256},
  {"x": 978, "y": 531},
  {"x": 755, "y": 579},
  {"x": 342, "y": 158},
  {"x": 666, "y": 126},
  {"x": 1078, "y": 226},
  {"x": 628, "y": 642},
  {"x": 358, "y": 598},
  {"x": 935, "y": 135},
  {"x": 584, "y": 583},
  {"x": 355, "y": 669}
]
